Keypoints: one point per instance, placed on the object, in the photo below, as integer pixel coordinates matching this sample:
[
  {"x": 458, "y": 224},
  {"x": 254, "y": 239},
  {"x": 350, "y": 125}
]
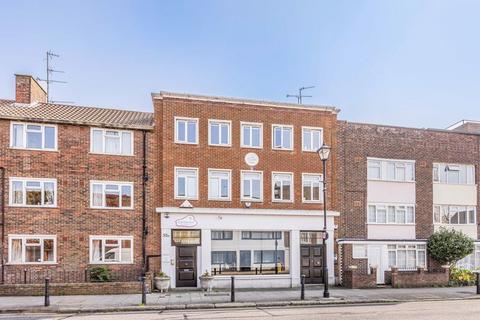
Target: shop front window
[{"x": 251, "y": 252}]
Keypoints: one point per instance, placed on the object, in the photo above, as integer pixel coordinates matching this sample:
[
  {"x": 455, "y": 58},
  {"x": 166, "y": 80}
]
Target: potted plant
[
  {"x": 161, "y": 281},
  {"x": 206, "y": 281}
]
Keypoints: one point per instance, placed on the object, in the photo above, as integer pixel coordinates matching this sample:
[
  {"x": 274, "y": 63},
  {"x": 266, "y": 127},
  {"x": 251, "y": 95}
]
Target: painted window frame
[
  {"x": 104, "y": 137},
  {"x": 386, "y": 207},
  {"x": 304, "y": 128},
  {"x": 292, "y": 191},
  {"x": 24, "y": 193},
  {"x": 24, "y": 237},
  {"x": 24, "y": 140},
  {"x": 176, "y": 175},
  {"x": 449, "y": 210},
  {"x": 223, "y": 238},
  {"x": 356, "y": 248},
  {"x": 283, "y": 126},
  {"x": 406, "y": 247},
  {"x": 103, "y": 238},
  {"x": 251, "y": 124},
  {"x": 436, "y": 172},
  {"x": 175, "y": 128},
  {"x": 220, "y": 122},
  {"x": 212, "y": 171},
  {"x": 120, "y": 184},
  {"x": 250, "y": 199},
  {"x": 305, "y": 174},
  {"x": 382, "y": 164}
]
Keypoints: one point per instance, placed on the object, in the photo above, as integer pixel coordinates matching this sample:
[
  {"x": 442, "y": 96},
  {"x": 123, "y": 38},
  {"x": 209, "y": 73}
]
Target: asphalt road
[{"x": 438, "y": 310}]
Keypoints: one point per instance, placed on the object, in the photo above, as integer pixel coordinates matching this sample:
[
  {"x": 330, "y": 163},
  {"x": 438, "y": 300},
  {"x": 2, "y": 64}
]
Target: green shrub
[
  {"x": 100, "y": 274},
  {"x": 462, "y": 277},
  {"x": 447, "y": 246}
]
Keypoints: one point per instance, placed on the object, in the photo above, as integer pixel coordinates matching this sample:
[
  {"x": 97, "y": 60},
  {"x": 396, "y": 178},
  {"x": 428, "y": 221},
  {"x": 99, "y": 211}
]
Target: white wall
[
  {"x": 391, "y": 231},
  {"x": 468, "y": 229},
  {"x": 454, "y": 194},
  {"x": 390, "y": 192}
]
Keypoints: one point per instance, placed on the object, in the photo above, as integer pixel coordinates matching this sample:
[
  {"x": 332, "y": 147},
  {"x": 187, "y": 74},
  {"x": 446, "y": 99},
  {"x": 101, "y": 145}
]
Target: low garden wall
[
  {"x": 354, "y": 279},
  {"x": 418, "y": 278}
]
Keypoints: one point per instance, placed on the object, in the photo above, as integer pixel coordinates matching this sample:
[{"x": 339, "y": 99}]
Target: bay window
[
  {"x": 113, "y": 142},
  {"x": 391, "y": 170},
  {"x": 33, "y": 136},
  {"x": 34, "y": 192},
  {"x": 111, "y": 249},
  {"x": 452, "y": 214},
  {"x": 107, "y": 194},
  {"x": 391, "y": 214},
  {"x": 31, "y": 249},
  {"x": 454, "y": 173}
]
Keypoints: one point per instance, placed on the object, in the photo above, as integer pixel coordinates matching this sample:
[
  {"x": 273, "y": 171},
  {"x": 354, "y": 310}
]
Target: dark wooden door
[
  {"x": 186, "y": 267},
  {"x": 311, "y": 260}
]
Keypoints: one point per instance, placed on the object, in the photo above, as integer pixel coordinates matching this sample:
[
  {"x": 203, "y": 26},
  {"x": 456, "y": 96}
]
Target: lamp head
[{"x": 324, "y": 152}]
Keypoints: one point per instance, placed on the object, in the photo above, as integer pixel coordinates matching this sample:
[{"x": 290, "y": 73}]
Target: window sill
[
  {"x": 31, "y": 263},
  {"x": 33, "y": 149},
  {"x": 283, "y": 201},
  {"x": 312, "y": 202},
  {"x": 32, "y": 206},
  {"x": 111, "y": 154},
  {"x": 282, "y": 149},
  {"x": 380, "y": 180},
  {"x": 455, "y": 184},
  {"x": 103, "y": 262},
  {"x": 220, "y": 145},
  {"x": 186, "y": 198},
  {"x": 454, "y": 224},
  {"x": 219, "y": 199},
  {"x": 251, "y": 200},
  {"x": 190, "y": 143},
  {"x": 110, "y": 208},
  {"x": 251, "y": 147},
  {"x": 391, "y": 224}
]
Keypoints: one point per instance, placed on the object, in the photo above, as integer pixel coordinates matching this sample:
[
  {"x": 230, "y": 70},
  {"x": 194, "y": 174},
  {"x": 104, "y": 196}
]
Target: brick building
[
  {"x": 399, "y": 185},
  {"x": 72, "y": 188}
]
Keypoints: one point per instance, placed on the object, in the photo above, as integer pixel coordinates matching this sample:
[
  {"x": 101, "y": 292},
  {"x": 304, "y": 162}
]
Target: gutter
[
  {"x": 144, "y": 203},
  {"x": 2, "y": 221}
]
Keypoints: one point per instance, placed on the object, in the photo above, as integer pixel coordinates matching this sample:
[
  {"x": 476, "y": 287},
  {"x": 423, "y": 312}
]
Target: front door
[
  {"x": 375, "y": 259},
  {"x": 186, "y": 266},
  {"x": 312, "y": 263}
]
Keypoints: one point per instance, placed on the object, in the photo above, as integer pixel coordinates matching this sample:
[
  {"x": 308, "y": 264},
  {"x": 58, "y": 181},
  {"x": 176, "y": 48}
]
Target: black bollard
[
  {"x": 302, "y": 287},
  {"x": 47, "y": 293},
  {"x": 232, "y": 290},
  {"x": 478, "y": 282},
  {"x": 144, "y": 291}
]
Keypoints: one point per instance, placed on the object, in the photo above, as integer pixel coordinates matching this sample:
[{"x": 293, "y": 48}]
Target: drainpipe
[
  {"x": 144, "y": 204},
  {"x": 2, "y": 221}
]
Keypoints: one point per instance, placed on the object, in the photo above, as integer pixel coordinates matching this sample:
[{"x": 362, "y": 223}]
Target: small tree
[{"x": 447, "y": 246}]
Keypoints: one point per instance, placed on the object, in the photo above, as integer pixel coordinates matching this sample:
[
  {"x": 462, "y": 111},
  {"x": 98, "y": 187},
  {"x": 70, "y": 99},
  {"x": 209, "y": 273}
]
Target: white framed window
[
  {"x": 453, "y": 214},
  {"x": 33, "y": 136},
  {"x": 219, "y": 184},
  {"x": 391, "y": 214},
  {"x": 111, "y": 195},
  {"x": 110, "y": 141},
  {"x": 32, "y": 249},
  {"x": 282, "y": 137},
  {"x": 251, "y": 186},
  {"x": 407, "y": 256},
  {"x": 312, "y": 185},
  {"x": 454, "y": 173},
  {"x": 251, "y": 135},
  {"x": 186, "y": 130},
  {"x": 282, "y": 186},
  {"x": 111, "y": 249},
  {"x": 312, "y": 139},
  {"x": 391, "y": 170},
  {"x": 186, "y": 183},
  {"x": 359, "y": 251},
  {"x": 219, "y": 133},
  {"x": 472, "y": 261},
  {"x": 33, "y": 192}
]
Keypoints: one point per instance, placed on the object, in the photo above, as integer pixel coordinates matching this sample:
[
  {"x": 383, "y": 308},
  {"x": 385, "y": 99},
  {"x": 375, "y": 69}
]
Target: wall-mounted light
[{"x": 248, "y": 204}]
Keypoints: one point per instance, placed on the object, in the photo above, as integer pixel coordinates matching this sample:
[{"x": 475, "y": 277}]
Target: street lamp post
[{"x": 324, "y": 153}]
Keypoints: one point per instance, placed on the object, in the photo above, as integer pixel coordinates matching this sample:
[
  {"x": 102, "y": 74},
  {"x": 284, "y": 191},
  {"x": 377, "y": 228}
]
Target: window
[
  {"x": 251, "y": 135},
  {"x": 282, "y": 187},
  {"x": 33, "y": 136},
  {"x": 312, "y": 138},
  {"x": 222, "y": 235},
  {"x": 219, "y": 184},
  {"x": 106, "y": 194},
  {"x": 186, "y": 130},
  {"x": 407, "y": 257},
  {"x": 311, "y": 187},
  {"x": 33, "y": 192},
  {"x": 219, "y": 133},
  {"x": 111, "y": 249},
  {"x": 31, "y": 249},
  {"x": 108, "y": 141},
  {"x": 391, "y": 170},
  {"x": 250, "y": 252},
  {"x": 261, "y": 235},
  {"x": 186, "y": 183},
  {"x": 282, "y": 137},
  {"x": 470, "y": 262},
  {"x": 447, "y": 214},
  {"x": 252, "y": 186},
  {"x": 359, "y": 251},
  {"x": 391, "y": 214},
  {"x": 454, "y": 173}
]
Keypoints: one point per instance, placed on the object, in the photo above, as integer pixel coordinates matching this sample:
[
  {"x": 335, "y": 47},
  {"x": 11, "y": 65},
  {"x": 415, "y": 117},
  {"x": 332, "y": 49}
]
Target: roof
[
  {"x": 464, "y": 123},
  {"x": 165, "y": 94},
  {"x": 62, "y": 113}
]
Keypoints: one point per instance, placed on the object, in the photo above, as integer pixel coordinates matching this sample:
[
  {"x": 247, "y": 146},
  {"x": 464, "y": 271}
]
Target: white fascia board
[{"x": 284, "y": 212}]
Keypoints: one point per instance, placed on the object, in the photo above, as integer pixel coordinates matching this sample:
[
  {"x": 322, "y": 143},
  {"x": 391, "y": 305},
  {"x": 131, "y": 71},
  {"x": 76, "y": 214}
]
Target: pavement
[{"x": 182, "y": 300}]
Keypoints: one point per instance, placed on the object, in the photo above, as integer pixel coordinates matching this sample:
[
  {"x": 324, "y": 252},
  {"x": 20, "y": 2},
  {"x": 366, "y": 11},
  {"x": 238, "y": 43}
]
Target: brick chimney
[{"x": 28, "y": 90}]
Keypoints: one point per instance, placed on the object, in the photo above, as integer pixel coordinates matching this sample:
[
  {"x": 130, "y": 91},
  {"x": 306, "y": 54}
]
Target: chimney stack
[{"x": 28, "y": 90}]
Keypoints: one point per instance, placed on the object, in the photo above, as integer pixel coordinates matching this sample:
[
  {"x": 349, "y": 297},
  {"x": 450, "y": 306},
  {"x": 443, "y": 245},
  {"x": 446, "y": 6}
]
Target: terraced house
[{"x": 72, "y": 188}]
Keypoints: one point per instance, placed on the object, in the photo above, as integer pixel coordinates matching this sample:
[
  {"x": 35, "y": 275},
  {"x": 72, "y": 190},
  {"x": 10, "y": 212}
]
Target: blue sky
[{"x": 405, "y": 62}]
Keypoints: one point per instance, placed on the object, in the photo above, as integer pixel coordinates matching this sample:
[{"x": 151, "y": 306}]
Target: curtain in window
[
  {"x": 16, "y": 250},
  {"x": 97, "y": 250},
  {"x": 97, "y": 195}
]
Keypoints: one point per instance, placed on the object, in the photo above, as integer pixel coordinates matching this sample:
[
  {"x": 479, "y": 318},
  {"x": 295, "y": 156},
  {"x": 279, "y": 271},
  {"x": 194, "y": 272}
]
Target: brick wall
[
  {"x": 28, "y": 90},
  {"x": 356, "y": 280},
  {"x": 419, "y": 278}
]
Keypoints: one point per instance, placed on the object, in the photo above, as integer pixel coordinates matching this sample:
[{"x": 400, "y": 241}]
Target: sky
[{"x": 401, "y": 62}]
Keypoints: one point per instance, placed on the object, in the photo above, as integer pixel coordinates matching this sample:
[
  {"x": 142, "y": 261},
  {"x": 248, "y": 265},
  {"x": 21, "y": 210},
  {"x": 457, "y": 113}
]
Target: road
[{"x": 438, "y": 310}]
